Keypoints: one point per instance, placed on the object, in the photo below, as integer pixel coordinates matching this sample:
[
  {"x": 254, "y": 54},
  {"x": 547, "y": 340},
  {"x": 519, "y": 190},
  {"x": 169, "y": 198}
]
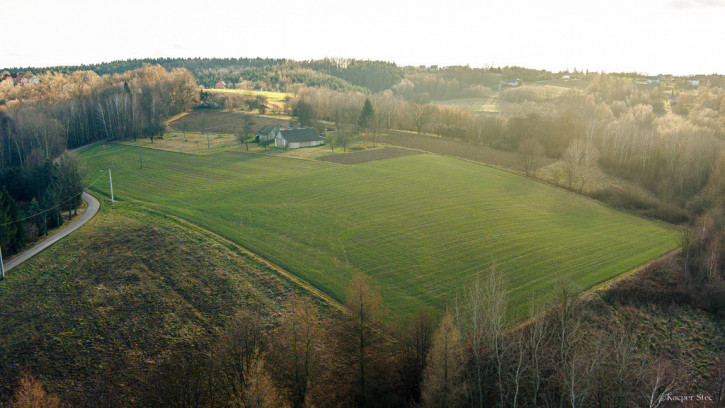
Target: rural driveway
[{"x": 91, "y": 210}]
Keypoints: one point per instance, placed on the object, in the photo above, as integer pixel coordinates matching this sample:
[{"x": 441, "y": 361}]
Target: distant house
[
  {"x": 694, "y": 82},
  {"x": 653, "y": 80},
  {"x": 296, "y": 138},
  {"x": 29, "y": 79},
  {"x": 515, "y": 82},
  {"x": 20, "y": 78},
  {"x": 565, "y": 77},
  {"x": 220, "y": 85}
]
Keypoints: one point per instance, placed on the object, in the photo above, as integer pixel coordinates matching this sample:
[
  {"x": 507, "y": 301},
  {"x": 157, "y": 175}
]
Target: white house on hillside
[{"x": 296, "y": 138}]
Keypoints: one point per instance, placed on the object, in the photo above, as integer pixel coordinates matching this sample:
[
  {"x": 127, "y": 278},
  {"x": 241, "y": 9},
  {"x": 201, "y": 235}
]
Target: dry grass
[
  {"x": 364, "y": 156},
  {"x": 194, "y": 143},
  {"x": 101, "y": 309},
  {"x": 277, "y": 99},
  {"x": 454, "y": 148}
]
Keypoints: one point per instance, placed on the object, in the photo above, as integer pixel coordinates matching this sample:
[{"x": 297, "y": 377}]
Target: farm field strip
[{"x": 422, "y": 226}]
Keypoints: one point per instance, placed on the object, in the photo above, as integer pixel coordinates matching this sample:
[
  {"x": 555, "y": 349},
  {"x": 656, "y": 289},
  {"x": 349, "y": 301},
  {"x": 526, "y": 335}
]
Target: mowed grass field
[{"x": 422, "y": 227}]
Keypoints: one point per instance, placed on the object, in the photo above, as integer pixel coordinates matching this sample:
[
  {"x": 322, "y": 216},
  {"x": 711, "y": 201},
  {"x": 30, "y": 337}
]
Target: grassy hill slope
[
  {"x": 99, "y": 311},
  {"x": 421, "y": 226}
]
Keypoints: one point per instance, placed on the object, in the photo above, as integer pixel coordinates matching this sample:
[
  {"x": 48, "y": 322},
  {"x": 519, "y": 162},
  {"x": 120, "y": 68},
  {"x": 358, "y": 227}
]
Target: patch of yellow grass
[
  {"x": 273, "y": 98},
  {"x": 192, "y": 143}
]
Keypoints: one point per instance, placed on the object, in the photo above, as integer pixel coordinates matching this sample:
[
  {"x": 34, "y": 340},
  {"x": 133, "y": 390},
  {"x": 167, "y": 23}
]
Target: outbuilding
[
  {"x": 266, "y": 134},
  {"x": 296, "y": 138}
]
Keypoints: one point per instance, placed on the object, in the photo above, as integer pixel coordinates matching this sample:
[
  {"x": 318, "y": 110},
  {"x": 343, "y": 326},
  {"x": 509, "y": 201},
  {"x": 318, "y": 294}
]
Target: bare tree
[
  {"x": 495, "y": 316},
  {"x": 246, "y": 130},
  {"x": 420, "y": 115},
  {"x": 470, "y": 319},
  {"x": 481, "y": 313},
  {"x": 660, "y": 382},
  {"x": 236, "y": 351},
  {"x": 536, "y": 335},
  {"x": 298, "y": 345},
  {"x": 531, "y": 151},
  {"x": 260, "y": 390},
  {"x": 443, "y": 380},
  {"x": 365, "y": 304},
  {"x": 567, "y": 337},
  {"x": 580, "y": 164}
]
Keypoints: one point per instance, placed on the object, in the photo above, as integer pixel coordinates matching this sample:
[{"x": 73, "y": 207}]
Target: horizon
[
  {"x": 571, "y": 70},
  {"x": 649, "y": 37}
]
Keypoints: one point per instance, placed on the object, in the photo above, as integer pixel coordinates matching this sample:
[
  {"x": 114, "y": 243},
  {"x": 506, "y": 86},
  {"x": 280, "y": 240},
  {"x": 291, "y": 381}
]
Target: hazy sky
[{"x": 651, "y": 36}]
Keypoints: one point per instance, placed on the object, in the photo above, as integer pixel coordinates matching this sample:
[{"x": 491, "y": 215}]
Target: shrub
[{"x": 628, "y": 199}]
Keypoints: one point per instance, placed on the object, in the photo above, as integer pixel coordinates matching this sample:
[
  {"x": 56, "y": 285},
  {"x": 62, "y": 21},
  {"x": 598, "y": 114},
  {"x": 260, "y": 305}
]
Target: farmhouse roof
[
  {"x": 300, "y": 135},
  {"x": 266, "y": 130}
]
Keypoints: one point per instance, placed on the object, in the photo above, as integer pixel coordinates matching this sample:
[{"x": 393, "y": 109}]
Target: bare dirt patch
[
  {"x": 368, "y": 155},
  {"x": 454, "y": 148}
]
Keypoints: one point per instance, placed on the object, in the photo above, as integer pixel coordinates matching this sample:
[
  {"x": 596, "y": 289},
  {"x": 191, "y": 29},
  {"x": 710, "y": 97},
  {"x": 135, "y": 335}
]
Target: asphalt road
[{"x": 91, "y": 210}]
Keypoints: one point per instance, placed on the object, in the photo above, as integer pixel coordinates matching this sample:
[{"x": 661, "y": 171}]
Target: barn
[
  {"x": 266, "y": 134},
  {"x": 296, "y": 138}
]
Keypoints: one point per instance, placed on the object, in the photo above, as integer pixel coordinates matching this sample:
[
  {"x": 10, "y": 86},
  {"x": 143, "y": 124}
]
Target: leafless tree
[
  {"x": 443, "y": 379},
  {"x": 481, "y": 313},
  {"x": 365, "y": 305},
  {"x": 580, "y": 164},
  {"x": 298, "y": 347},
  {"x": 531, "y": 152},
  {"x": 661, "y": 381},
  {"x": 419, "y": 115}
]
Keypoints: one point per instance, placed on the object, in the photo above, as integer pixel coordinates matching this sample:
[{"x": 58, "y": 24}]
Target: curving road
[{"x": 91, "y": 210}]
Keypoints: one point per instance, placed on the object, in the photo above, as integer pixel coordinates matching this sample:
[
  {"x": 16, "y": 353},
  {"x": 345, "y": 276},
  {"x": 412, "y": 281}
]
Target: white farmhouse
[{"x": 296, "y": 138}]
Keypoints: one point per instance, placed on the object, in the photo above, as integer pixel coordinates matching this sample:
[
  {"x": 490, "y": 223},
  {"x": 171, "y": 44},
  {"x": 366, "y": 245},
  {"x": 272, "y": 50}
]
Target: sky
[{"x": 680, "y": 37}]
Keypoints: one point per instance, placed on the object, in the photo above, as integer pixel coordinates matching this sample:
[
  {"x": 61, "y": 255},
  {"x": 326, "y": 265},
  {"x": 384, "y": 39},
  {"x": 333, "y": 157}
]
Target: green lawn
[{"x": 422, "y": 226}]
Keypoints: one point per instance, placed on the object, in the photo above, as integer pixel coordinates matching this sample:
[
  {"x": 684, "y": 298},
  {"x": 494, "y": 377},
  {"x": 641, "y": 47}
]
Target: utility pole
[
  {"x": 208, "y": 146},
  {"x": 139, "y": 155},
  {"x": 110, "y": 183},
  {"x": 2, "y": 268}
]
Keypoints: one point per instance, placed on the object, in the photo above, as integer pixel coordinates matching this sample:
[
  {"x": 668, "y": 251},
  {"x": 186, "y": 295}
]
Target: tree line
[
  {"x": 613, "y": 126},
  {"x": 39, "y": 122},
  {"x": 571, "y": 353}
]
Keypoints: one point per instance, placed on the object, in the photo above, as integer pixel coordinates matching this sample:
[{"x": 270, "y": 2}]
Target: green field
[{"x": 422, "y": 227}]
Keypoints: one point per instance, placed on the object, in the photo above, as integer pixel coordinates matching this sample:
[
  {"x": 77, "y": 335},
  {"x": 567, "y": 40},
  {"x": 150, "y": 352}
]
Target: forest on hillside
[{"x": 63, "y": 111}]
